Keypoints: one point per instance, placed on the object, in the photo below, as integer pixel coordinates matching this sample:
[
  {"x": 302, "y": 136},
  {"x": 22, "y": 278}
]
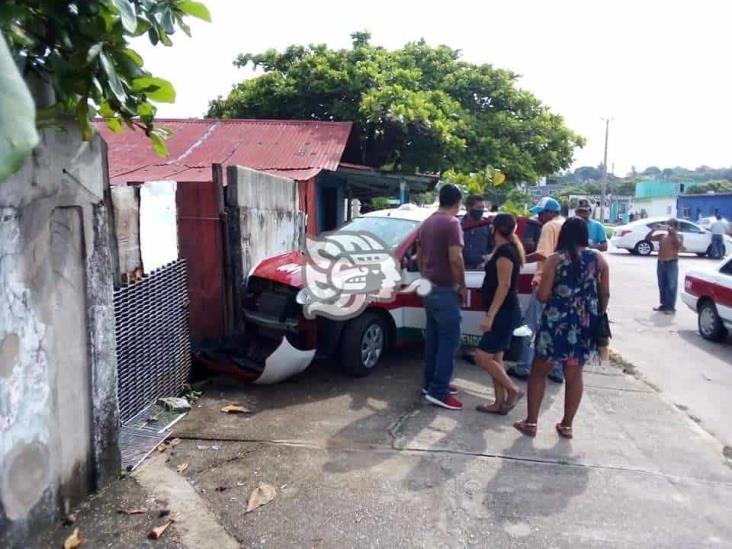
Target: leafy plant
[
  {"x": 418, "y": 108},
  {"x": 380, "y": 203},
  {"x": 81, "y": 48}
]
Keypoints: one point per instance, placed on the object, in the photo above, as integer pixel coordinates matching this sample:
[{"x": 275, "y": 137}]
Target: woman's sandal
[
  {"x": 564, "y": 431},
  {"x": 528, "y": 429},
  {"x": 501, "y": 411},
  {"x": 511, "y": 406}
]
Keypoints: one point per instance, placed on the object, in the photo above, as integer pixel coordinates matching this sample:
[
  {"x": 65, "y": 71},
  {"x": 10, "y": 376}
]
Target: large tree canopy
[{"x": 415, "y": 108}]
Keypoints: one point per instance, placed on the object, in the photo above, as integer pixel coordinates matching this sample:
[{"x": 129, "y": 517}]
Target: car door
[
  {"x": 723, "y": 291},
  {"x": 696, "y": 239}
]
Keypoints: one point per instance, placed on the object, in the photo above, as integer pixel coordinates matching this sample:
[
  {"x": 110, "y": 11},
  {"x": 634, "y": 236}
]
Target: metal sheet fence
[{"x": 153, "y": 340}]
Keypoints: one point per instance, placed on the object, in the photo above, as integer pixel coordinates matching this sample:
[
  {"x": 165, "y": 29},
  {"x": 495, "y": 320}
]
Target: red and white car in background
[
  {"x": 279, "y": 341},
  {"x": 709, "y": 293}
]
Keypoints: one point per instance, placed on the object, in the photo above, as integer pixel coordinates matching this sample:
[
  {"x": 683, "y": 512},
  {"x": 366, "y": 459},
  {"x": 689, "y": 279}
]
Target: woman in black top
[{"x": 503, "y": 313}]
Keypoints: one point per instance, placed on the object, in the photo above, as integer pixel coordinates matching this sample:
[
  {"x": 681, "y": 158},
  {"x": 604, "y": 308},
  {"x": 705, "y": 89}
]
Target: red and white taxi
[
  {"x": 279, "y": 340},
  {"x": 709, "y": 293}
]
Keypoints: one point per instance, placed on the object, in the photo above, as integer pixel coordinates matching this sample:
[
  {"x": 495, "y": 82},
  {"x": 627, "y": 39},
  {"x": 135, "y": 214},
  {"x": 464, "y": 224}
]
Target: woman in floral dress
[{"x": 575, "y": 288}]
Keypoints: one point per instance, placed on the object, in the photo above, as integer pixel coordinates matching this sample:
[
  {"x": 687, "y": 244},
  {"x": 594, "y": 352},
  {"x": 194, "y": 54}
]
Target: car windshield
[{"x": 390, "y": 230}]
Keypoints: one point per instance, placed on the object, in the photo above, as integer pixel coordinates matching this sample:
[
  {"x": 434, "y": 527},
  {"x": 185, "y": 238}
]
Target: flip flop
[
  {"x": 564, "y": 431},
  {"x": 528, "y": 429},
  {"x": 502, "y": 411},
  {"x": 511, "y": 406}
]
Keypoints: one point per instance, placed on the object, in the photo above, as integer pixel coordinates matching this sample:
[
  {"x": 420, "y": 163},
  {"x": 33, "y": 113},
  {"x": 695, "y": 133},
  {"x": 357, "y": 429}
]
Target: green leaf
[
  {"x": 146, "y": 110},
  {"x": 115, "y": 84},
  {"x": 115, "y": 125},
  {"x": 82, "y": 117},
  {"x": 127, "y": 14},
  {"x": 132, "y": 54},
  {"x": 156, "y": 89},
  {"x": 93, "y": 52},
  {"x": 195, "y": 9},
  {"x": 18, "y": 135},
  {"x": 158, "y": 140}
]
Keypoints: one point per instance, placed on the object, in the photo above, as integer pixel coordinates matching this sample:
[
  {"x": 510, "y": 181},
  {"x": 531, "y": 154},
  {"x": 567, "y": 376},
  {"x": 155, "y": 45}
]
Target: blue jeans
[
  {"x": 532, "y": 317},
  {"x": 668, "y": 281},
  {"x": 718, "y": 248},
  {"x": 442, "y": 339}
]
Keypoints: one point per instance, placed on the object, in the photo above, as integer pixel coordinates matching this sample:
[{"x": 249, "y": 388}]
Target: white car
[
  {"x": 632, "y": 236},
  {"x": 709, "y": 293}
]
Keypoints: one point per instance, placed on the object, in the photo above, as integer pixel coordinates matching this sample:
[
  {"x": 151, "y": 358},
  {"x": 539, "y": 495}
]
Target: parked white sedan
[
  {"x": 632, "y": 236},
  {"x": 709, "y": 293}
]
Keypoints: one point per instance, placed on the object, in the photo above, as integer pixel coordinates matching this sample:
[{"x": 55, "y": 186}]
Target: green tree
[
  {"x": 82, "y": 49},
  {"x": 415, "y": 108},
  {"x": 711, "y": 187}
]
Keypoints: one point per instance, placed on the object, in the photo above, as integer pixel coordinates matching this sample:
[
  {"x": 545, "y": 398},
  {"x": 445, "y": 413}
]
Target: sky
[{"x": 660, "y": 70}]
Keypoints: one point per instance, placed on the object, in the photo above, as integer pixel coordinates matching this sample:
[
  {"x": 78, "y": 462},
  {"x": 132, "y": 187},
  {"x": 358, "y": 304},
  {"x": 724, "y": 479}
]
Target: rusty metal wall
[
  {"x": 200, "y": 206},
  {"x": 153, "y": 341}
]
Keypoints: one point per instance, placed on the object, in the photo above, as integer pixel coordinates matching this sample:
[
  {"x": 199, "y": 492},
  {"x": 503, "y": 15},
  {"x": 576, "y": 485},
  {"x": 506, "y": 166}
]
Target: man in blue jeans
[
  {"x": 548, "y": 212},
  {"x": 440, "y": 257}
]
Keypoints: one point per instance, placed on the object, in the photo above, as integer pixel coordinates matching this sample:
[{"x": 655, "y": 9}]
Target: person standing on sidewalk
[
  {"x": 576, "y": 289},
  {"x": 548, "y": 211},
  {"x": 670, "y": 243},
  {"x": 503, "y": 313},
  {"x": 719, "y": 229},
  {"x": 440, "y": 257},
  {"x": 598, "y": 236}
]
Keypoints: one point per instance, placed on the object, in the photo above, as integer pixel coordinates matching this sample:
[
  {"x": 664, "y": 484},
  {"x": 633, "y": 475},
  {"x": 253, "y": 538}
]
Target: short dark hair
[
  {"x": 472, "y": 200},
  {"x": 449, "y": 196}
]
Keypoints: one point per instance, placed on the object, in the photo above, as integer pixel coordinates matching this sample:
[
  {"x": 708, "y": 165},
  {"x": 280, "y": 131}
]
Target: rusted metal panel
[
  {"x": 200, "y": 206},
  {"x": 296, "y": 149},
  {"x": 126, "y": 206}
]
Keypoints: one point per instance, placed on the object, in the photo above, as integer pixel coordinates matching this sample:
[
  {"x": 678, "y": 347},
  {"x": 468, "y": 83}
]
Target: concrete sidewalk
[{"x": 365, "y": 463}]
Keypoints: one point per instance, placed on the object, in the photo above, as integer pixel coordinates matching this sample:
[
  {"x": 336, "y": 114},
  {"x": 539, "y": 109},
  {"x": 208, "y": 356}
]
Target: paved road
[{"x": 667, "y": 351}]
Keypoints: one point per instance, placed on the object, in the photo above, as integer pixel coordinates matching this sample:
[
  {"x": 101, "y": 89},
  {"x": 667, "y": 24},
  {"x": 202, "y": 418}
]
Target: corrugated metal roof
[{"x": 298, "y": 149}]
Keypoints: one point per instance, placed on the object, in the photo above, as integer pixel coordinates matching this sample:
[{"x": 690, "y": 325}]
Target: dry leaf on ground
[
  {"x": 236, "y": 409},
  {"x": 158, "y": 531},
  {"x": 132, "y": 511},
  {"x": 74, "y": 540},
  {"x": 182, "y": 467},
  {"x": 262, "y": 495}
]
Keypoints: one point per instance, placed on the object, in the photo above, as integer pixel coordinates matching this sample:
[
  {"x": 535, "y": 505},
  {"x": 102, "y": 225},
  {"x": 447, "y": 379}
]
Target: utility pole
[{"x": 604, "y": 172}]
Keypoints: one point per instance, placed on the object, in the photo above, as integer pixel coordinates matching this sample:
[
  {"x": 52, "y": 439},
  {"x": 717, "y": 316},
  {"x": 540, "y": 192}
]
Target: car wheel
[
  {"x": 644, "y": 247},
  {"x": 362, "y": 344},
  {"x": 710, "y": 325}
]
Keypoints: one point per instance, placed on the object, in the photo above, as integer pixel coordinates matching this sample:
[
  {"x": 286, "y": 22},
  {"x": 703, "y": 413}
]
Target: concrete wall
[
  {"x": 58, "y": 397},
  {"x": 264, "y": 220},
  {"x": 655, "y": 207}
]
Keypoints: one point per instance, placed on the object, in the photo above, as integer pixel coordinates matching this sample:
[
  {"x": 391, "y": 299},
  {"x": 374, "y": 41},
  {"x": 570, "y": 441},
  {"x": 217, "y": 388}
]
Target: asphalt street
[{"x": 667, "y": 351}]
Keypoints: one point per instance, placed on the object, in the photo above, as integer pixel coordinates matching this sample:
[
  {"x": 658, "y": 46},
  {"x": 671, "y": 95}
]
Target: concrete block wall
[{"x": 58, "y": 385}]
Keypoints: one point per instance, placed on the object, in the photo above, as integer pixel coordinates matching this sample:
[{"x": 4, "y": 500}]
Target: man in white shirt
[{"x": 719, "y": 229}]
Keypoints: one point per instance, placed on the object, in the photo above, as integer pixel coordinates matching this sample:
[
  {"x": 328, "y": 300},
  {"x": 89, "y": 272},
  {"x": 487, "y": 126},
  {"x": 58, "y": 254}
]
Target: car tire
[
  {"x": 644, "y": 248},
  {"x": 704, "y": 254},
  {"x": 363, "y": 343},
  {"x": 711, "y": 327}
]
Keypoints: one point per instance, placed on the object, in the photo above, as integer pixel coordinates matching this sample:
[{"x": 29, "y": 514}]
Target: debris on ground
[
  {"x": 262, "y": 495},
  {"x": 191, "y": 394},
  {"x": 69, "y": 519},
  {"x": 74, "y": 540},
  {"x": 236, "y": 409},
  {"x": 133, "y": 511},
  {"x": 182, "y": 468},
  {"x": 175, "y": 404},
  {"x": 222, "y": 488},
  {"x": 158, "y": 531},
  {"x": 164, "y": 513},
  {"x": 168, "y": 444}
]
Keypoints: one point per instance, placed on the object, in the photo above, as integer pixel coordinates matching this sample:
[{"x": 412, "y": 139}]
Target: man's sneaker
[
  {"x": 660, "y": 309},
  {"x": 513, "y": 372},
  {"x": 451, "y": 389},
  {"x": 449, "y": 402}
]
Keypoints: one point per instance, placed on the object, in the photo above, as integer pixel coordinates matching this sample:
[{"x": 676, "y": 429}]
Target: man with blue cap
[{"x": 549, "y": 213}]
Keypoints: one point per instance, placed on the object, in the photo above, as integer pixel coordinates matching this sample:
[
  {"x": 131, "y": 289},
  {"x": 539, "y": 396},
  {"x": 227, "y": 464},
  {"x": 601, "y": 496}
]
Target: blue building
[{"x": 695, "y": 206}]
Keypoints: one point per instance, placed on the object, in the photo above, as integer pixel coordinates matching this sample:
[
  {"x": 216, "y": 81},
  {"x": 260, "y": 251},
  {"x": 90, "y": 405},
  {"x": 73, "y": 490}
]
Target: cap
[
  {"x": 546, "y": 204},
  {"x": 583, "y": 204}
]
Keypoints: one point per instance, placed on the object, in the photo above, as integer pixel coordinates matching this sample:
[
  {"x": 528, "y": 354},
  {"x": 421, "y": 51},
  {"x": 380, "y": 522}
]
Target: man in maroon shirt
[{"x": 440, "y": 259}]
